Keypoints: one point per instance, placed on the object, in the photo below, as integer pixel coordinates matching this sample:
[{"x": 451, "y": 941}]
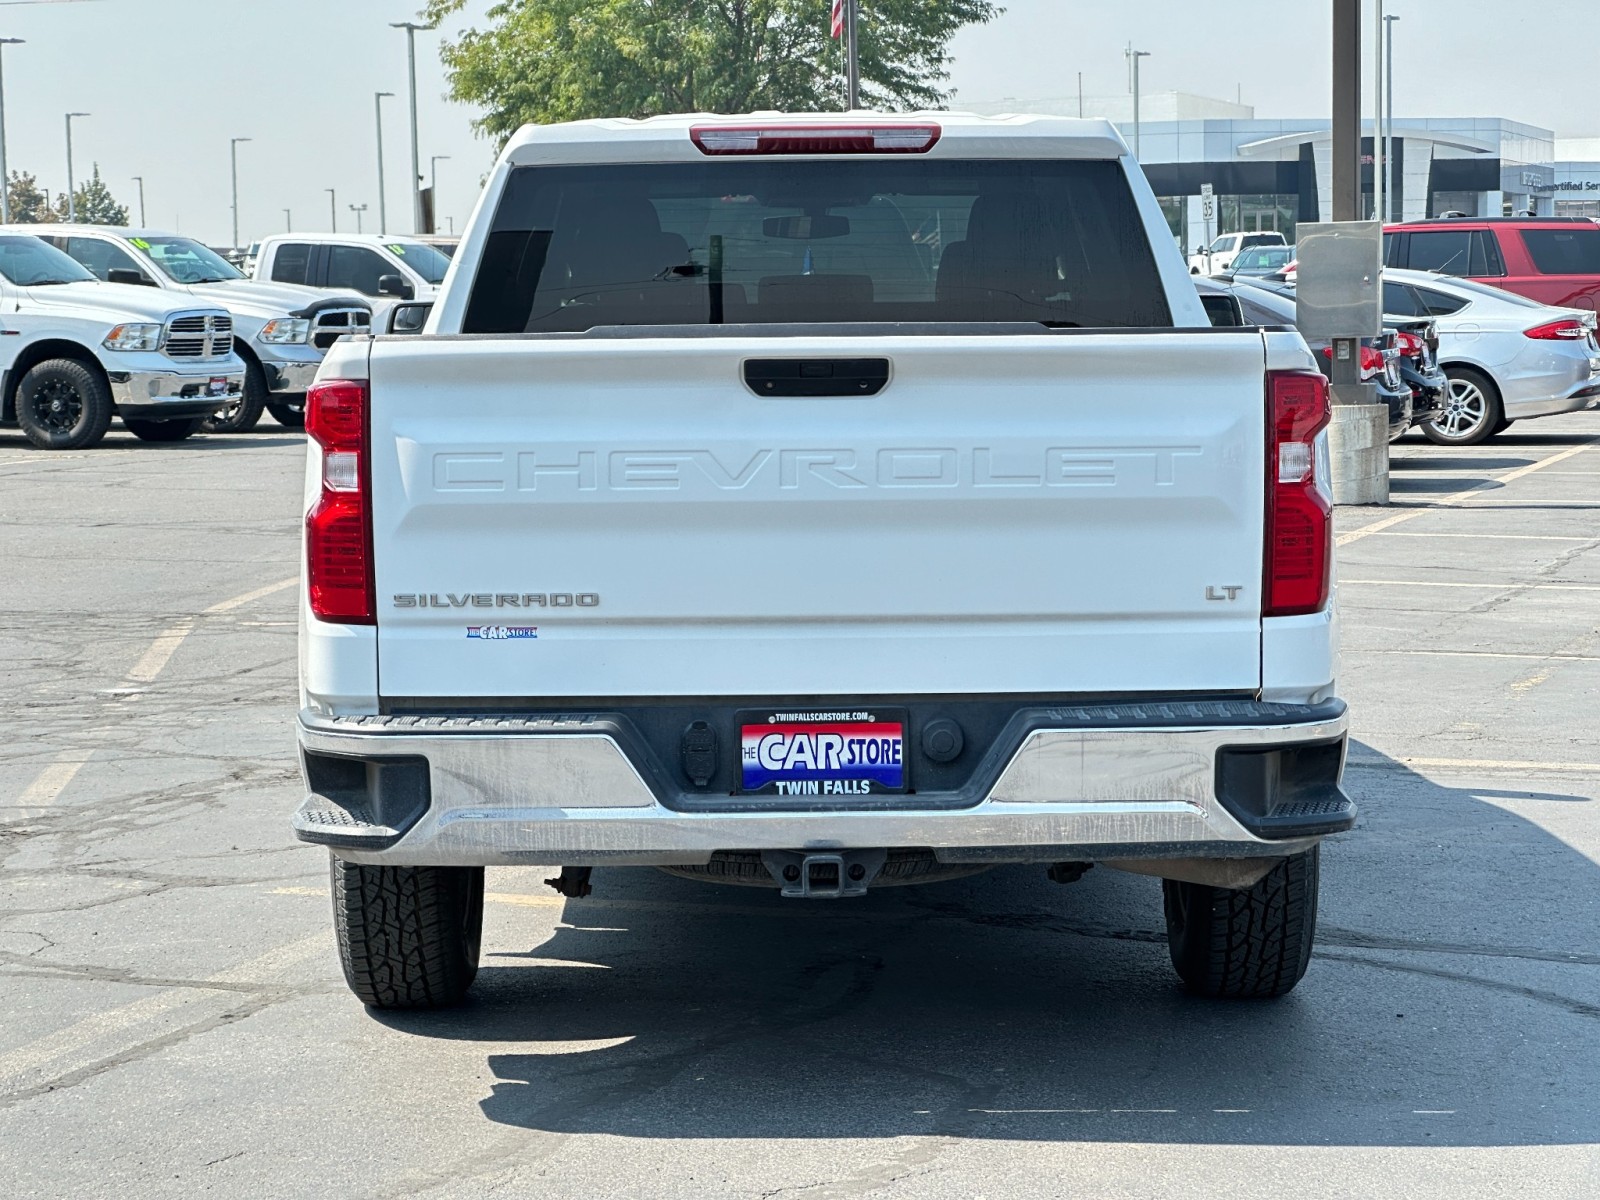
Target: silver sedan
[{"x": 1507, "y": 358}]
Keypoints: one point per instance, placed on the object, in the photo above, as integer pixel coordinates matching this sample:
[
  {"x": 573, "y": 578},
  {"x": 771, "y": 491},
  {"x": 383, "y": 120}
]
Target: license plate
[
  {"x": 817, "y": 753},
  {"x": 217, "y": 387}
]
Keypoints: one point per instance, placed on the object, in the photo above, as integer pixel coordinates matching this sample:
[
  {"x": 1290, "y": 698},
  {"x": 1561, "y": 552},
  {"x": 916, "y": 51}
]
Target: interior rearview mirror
[{"x": 806, "y": 228}]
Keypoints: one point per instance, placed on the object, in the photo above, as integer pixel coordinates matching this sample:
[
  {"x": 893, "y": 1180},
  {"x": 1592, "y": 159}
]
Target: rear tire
[
  {"x": 1245, "y": 945},
  {"x": 1472, "y": 412},
  {"x": 283, "y": 414},
  {"x": 408, "y": 936},
  {"x": 241, "y": 415},
  {"x": 63, "y": 404},
  {"x": 163, "y": 431}
]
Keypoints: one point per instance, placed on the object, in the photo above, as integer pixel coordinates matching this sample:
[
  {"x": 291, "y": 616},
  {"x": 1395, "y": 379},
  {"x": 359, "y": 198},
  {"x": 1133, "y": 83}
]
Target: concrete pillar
[
  {"x": 1322, "y": 155},
  {"x": 1358, "y": 444},
  {"x": 1415, "y": 177}
]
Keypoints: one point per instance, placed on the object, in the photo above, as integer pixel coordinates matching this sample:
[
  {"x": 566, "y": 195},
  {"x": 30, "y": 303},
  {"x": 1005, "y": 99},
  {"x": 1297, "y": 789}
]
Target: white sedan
[{"x": 1507, "y": 357}]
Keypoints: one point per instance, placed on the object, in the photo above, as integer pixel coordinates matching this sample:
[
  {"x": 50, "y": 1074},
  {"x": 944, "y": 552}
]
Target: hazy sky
[{"x": 168, "y": 82}]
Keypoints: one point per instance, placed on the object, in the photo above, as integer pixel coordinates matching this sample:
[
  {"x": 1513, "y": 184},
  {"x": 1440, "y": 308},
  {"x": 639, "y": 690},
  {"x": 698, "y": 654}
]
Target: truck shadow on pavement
[{"x": 1454, "y": 1000}]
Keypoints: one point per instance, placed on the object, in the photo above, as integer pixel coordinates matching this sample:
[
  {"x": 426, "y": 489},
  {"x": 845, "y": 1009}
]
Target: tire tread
[
  {"x": 1251, "y": 943},
  {"x": 407, "y": 935}
]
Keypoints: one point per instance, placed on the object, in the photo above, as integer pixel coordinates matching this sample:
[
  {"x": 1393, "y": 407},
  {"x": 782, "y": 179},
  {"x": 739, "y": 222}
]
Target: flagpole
[{"x": 852, "y": 73}]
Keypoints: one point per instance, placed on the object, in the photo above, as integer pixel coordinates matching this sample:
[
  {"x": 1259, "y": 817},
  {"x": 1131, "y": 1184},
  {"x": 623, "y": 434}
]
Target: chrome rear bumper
[{"x": 499, "y": 791}]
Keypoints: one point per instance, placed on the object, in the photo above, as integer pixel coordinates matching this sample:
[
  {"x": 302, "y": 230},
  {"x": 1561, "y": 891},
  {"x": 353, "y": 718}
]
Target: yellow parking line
[
  {"x": 1355, "y": 535},
  {"x": 1495, "y": 764},
  {"x": 113, "y": 1031},
  {"x": 160, "y": 653},
  {"x": 241, "y": 601}
]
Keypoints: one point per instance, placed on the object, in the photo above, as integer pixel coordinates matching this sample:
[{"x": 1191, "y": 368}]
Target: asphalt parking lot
[{"x": 173, "y": 1020}]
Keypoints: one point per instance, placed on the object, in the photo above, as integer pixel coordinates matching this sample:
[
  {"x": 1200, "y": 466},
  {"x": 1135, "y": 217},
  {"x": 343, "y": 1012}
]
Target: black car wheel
[
  {"x": 240, "y": 414},
  {"x": 287, "y": 415},
  {"x": 62, "y": 404}
]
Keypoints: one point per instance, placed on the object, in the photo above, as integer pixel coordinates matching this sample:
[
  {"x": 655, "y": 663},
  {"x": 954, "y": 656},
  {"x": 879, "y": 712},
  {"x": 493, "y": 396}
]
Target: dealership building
[{"x": 1272, "y": 174}]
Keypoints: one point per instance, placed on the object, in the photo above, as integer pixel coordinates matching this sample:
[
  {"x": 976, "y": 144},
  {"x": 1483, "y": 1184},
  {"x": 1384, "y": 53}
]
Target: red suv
[{"x": 1554, "y": 260}]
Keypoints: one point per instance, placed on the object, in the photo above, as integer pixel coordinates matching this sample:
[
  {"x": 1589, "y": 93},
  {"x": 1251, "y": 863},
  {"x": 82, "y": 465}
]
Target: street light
[
  {"x": 5, "y": 175},
  {"x": 72, "y": 200},
  {"x": 1133, "y": 56},
  {"x": 288, "y": 221},
  {"x": 333, "y": 210},
  {"x": 139, "y": 179},
  {"x": 1379, "y": 28},
  {"x": 433, "y": 187},
  {"x": 412, "y": 29},
  {"x": 358, "y": 209},
  {"x": 383, "y": 206},
  {"x": 233, "y": 154},
  {"x": 1388, "y": 133}
]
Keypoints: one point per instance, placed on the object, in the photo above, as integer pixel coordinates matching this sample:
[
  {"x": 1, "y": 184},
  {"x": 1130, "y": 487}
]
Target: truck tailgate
[{"x": 1066, "y": 513}]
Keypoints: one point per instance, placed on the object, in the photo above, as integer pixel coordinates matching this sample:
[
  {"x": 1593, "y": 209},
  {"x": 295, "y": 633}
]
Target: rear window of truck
[{"x": 816, "y": 241}]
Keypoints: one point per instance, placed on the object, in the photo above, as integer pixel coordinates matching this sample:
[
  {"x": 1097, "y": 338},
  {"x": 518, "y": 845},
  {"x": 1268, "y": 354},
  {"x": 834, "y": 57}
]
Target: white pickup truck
[
  {"x": 75, "y": 352},
  {"x": 819, "y": 503}
]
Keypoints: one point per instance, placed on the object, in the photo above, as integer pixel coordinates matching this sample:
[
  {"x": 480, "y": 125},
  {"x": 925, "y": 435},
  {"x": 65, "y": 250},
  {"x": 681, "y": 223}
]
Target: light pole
[
  {"x": 288, "y": 221},
  {"x": 1133, "y": 56},
  {"x": 5, "y": 175},
  {"x": 333, "y": 210},
  {"x": 383, "y": 206},
  {"x": 72, "y": 200},
  {"x": 433, "y": 187},
  {"x": 1379, "y": 27},
  {"x": 1388, "y": 119},
  {"x": 233, "y": 154},
  {"x": 358, "y": 209},
  {"x": 139, "y": 179},
  {"x": 412, "y": 28}
]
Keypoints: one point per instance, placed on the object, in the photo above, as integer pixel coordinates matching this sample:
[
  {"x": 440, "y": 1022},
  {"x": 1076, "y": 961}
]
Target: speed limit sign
[{"x": 1208, "y": 203}]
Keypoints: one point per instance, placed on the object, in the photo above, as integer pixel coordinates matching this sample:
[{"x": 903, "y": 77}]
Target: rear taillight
[
  {"x": 1299, "y": 535},
  {"x": 815, "y": 139},
  {"x": 1409, "y": 344},
  {"x": 339, "y": 525},
  {"x": 1371, "y": 360},
  {"x": 1558, "y": 331}
]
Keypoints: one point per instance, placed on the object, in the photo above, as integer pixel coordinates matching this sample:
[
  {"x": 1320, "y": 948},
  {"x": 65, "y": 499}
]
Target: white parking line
[
  {"x": 1495, "y": 481},
  {"x": 1496, "y": 586}
]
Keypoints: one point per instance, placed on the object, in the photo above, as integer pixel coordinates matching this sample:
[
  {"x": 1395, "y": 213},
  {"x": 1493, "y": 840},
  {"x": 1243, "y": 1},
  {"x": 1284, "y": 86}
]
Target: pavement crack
[{"x": 1578, "y": 1008}]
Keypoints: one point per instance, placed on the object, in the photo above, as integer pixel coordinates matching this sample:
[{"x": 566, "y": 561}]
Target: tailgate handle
[{"x": 816, "y": 376}]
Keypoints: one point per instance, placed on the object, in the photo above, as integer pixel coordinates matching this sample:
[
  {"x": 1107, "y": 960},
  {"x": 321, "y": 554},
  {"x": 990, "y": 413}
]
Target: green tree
[
  {"x": 29, "y": 205},
  {"x": 95, "y": 203},
  {"x": 565, "y": 60}
]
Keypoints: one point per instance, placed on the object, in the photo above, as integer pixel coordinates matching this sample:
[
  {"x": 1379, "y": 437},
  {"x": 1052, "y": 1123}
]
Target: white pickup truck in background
[
  {"x": 76, "y": 352},
  {"x": 1219, "y": 256},
  {"x": 819, "y": 503}
]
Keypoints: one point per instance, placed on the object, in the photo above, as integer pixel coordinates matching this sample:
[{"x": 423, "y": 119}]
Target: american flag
[{"x": 837, "y": 28}]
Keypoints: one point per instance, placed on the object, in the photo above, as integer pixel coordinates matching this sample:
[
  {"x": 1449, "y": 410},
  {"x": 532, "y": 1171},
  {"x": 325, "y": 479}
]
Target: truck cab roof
[{"x": 956, "y": 135}]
